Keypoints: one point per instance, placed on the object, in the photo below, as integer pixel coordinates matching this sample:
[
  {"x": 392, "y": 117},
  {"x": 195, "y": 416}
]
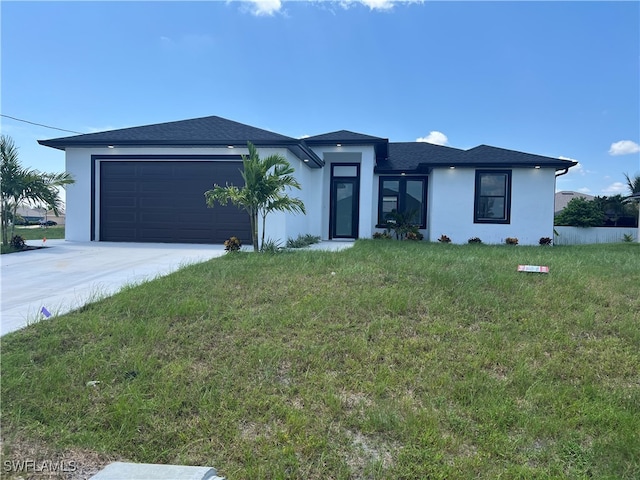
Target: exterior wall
[
  {"x": 365, "y": 156},
  {"x": 580, "y": 236},
  {"x": 451, "y": 204},
  {"x": 78, "y": 203},
  {"x": 279, "y": 226}
]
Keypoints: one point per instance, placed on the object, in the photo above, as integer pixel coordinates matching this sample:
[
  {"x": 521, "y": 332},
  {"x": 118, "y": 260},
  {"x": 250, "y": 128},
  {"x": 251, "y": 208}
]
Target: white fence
[{"x": 579, "y": 235}]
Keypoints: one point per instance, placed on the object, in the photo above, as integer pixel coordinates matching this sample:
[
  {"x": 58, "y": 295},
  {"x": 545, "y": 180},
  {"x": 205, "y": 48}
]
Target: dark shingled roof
[
  {"x": 198, "y": 131},
  {"x": 419, "y": 157},
  {"x": 503, "y": 157},
  {"x": 407, "y": 156},
  {"x": 205, "y": 131},
  {"x": 343, "y": 136}
]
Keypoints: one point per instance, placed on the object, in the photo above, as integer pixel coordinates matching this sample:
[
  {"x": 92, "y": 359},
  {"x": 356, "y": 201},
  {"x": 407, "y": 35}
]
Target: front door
[{"x": 345, "y": 193}]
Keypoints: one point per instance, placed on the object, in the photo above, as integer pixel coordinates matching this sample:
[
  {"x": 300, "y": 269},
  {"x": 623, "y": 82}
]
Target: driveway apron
[{"x": 66, "y": 275}]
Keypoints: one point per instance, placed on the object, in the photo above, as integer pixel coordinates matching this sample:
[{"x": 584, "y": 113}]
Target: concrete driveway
[{"x": 67, "y": 275}]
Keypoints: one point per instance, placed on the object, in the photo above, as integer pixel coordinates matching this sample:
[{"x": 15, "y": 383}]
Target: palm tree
[
  {"x": 22, "y": 186},
  {"x": 634, "y": 194},
  {"x": 633, "y": 183},
  {"x": 266, "y": 181}
]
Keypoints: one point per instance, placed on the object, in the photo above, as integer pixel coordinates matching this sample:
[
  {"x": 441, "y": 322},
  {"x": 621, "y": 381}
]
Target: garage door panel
[
  {"x": 164, "y": 202},
  {"x": 116, "y": 202}
]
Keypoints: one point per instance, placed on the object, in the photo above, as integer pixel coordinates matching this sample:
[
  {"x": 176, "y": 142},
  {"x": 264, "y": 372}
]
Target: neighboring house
[
  {"x": 563, "y": 198},
  {"x": 147, "y": 184},
  {"x": 37, "y": 214}
]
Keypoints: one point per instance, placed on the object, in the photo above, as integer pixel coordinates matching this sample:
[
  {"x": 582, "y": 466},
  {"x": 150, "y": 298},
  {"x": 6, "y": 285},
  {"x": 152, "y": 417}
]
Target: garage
[{"x": 163, "y": 201}]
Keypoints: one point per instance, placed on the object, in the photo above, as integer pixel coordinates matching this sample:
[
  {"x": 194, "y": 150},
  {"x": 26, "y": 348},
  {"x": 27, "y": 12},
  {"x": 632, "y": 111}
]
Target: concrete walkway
[{"x": 67, "y": 275}]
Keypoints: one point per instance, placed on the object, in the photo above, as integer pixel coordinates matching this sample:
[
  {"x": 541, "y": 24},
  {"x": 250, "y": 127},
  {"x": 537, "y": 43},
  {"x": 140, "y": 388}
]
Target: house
[
  {"x": 36, "y": 215},
  {"x": 147, "y": 184},
  {"x": 563, "y": 198}
]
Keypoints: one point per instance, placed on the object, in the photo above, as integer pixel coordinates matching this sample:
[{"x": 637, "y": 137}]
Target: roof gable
[
  {"x": 417, "y": 156},
  {"x": 420, "y": 157},
  {"x": 198, "y": 131},
  {"x": 343, "y": 136},
  {"x": 502, "y": 156}
]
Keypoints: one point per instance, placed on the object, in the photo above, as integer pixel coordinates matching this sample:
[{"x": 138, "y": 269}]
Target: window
[
  {"x": 493, "y": 196},
  {"x": 403, "y": 195}
]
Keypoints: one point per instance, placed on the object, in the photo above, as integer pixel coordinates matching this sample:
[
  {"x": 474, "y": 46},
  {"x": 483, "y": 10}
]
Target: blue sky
[{"x": 560, "y": 79}]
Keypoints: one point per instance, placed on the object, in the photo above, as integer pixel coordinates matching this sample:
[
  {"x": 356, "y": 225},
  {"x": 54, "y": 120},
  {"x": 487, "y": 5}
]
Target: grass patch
[
  {"x": 386, "y": 360},
  {"x": 54, "y": 232}
]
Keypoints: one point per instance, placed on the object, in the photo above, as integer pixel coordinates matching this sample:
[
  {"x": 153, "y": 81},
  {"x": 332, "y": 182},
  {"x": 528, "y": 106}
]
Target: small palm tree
[
  {"x": 22, "y": 186},
  {"x": 266, "y": 181}
]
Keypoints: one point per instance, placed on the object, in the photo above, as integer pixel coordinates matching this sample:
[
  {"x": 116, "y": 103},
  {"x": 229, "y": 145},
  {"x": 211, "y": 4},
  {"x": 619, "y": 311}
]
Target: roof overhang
[{"x": 299, "y": 149}]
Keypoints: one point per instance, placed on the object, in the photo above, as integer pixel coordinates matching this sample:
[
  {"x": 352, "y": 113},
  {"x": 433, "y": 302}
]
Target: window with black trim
[
  {"x": 403, "y": 195},
  {"x": 492, "y": 196}
]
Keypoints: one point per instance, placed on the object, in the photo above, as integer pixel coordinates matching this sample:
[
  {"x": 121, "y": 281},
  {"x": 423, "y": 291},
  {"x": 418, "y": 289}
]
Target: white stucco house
[{"x": 147, "y": 184}]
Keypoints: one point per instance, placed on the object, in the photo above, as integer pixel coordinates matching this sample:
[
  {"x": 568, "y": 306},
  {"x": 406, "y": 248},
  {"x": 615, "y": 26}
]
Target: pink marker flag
[
  {"x": 45, "y": 312},
  {"x": 533, "y": 268}
]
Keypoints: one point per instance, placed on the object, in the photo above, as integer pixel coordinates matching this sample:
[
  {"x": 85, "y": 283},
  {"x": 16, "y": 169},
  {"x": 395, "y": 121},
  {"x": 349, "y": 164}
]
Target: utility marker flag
[
  {"x": 44, "y": 240},
  {"x": 45, "y": 312},
  {"x": 533, "y": 268}
]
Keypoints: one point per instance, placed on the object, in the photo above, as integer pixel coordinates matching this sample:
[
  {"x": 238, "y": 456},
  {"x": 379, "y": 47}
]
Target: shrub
[
  {"x": 545, "y": 241},
  {"x": 17, "y": 242},
  {"x": 511, "y": 241},
  {"x": 401, "y": 223},
  {"x": 302, "y": 241},
  {"x": 233, "y": 244},
  {"x": 381, "y": 235},
  {"x": 474, "y": 240},
  {"x": 627, "y": 237},
  {"x": 580, "y": 212},
  {"x": 414, "y": 235},
  {"x": 271, "y": 246},
  {"x": 444, "y": 239}
]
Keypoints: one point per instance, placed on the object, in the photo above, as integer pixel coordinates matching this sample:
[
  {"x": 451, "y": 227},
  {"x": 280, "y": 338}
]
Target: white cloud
[
  {"x": 577, "y": 169},
  {"x": 435, "y": 137},
  {"x": 378, "y": 4},
  {"x": 624, "y": 147},
  {"x": 265, "y": 7},
  {"x": 615, "y": 188},
  {"x": 271, "y": 7},
  {"x": 584, "y": 190}
]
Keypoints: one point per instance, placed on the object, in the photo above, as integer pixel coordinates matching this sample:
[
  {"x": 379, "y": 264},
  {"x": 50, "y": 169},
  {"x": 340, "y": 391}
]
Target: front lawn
[
  {"x": 38, "y": 233},
  {"x": 387, "y": 360}
]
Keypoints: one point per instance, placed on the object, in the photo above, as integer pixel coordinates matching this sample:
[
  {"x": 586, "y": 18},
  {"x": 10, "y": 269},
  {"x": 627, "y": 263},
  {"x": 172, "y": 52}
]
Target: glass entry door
[{"x": 344, "y": 207}]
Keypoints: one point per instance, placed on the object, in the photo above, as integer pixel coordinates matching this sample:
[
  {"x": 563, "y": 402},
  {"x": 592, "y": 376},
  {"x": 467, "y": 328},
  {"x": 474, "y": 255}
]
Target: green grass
[
  {"x": 55, "y": 232},
  {"x": 38, "y": 233},
  {"x": 387, "y": 360}
]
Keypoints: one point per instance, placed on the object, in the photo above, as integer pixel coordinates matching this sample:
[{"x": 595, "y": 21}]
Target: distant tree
[
  {"x": 581, "y": 213},
  {"x": 633, "y": 183},
  {"x": 266, "y": 182},
  {"x": 21, "y": 186},
  {"x": 615, "y": 209}
]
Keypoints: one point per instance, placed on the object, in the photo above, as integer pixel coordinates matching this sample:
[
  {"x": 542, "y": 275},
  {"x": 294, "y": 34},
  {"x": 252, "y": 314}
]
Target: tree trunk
[
  {"x": 264, "y": 221},
  {"x": 254, "y": 229}
]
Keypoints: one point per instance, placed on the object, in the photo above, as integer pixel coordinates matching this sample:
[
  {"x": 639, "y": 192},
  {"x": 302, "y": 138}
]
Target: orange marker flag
[{"x": 44, "y": 240}]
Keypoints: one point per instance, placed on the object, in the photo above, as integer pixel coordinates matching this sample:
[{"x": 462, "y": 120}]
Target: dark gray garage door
[{"x": 163, "y": 201}]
